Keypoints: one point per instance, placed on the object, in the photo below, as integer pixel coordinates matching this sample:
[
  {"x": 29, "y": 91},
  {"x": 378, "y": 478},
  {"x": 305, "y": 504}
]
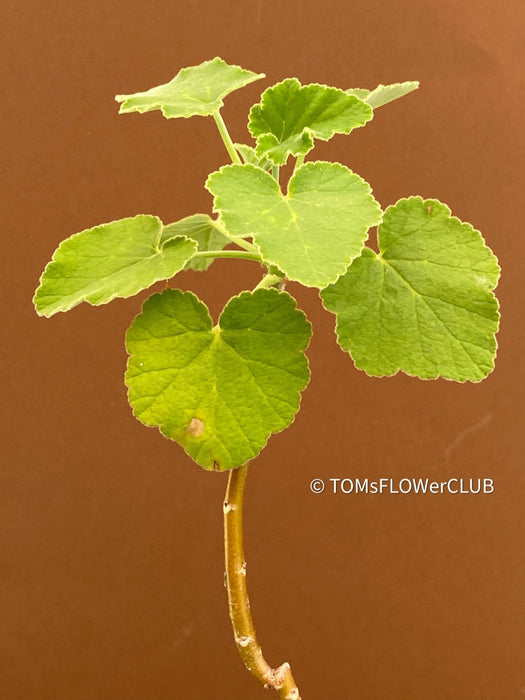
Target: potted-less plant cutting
[{"x": 421, "y": 303}]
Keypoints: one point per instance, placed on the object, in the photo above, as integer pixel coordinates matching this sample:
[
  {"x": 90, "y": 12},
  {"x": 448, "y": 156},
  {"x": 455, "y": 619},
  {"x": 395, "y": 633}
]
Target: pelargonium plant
[{"x": 422, "y": 303}]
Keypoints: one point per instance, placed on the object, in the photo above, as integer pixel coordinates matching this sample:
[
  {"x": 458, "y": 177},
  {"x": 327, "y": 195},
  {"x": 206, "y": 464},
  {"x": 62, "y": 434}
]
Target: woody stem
[{"x": 279, "y": 679}]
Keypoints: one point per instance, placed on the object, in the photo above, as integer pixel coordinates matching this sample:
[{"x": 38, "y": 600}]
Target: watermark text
[{"x": 423, "y": 486}]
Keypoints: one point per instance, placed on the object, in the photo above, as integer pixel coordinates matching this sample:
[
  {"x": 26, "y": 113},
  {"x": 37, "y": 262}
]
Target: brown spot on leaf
[
  {"x": 429, "y": 209},
  {"x": 195, "y": 427}
]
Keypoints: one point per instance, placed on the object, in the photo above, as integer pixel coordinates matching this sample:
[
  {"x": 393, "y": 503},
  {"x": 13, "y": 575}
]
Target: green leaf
[
  {"x": 290, "y": 116},
  {"x": 200, "y": 228},
  {"x": 424, "y": 305},
  {"x": 193, "y": 91},
  {"x": 361, "y": 93},
  {"x": 383, "y": 94},
  {"x": 249, "y": 156},
  {"x": 313, "y": 232},
  {"x": 219, "y": 392},
  {"x": 112, "y": 260}
]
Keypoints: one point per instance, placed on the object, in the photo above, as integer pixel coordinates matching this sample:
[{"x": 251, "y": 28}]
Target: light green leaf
[
  {"x": 193, "y": 91},
  {"x": 200, "y": 228},
  {"x": 289, "y": 117},
  {"x": 268, "y": 146},
  {"x": 112, "y": 260},
  {"x": 361, "y": 93},
  {"x": 424, "y": 305},
  {"x": 383, "y": 94},
  {"x": 249, "y": 156},
  {"x": 313, "y": 232},
  {"x": 219, "y": 392}
]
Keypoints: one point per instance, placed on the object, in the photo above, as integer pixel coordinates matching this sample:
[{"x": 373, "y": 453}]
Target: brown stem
[{"x": 280, "y": 678}]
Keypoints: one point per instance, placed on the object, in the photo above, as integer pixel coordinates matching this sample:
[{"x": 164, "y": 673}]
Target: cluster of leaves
[{"x": 424, "y": 305}]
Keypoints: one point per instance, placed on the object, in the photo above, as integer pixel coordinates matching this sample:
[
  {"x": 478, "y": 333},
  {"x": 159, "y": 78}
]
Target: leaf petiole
[
  {"x": 299, "y": 161},
  {"x": 269, "y": 280},
  {"x": 243, "y": 254},
  {"x": 238, "y": 241},
  {"x": 225, "y": 136}
]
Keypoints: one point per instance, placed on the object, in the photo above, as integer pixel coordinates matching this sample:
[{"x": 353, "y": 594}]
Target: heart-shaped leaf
[
  {"x": 424, "y": 305},
  {"x": 313, "y": 232},
  {"x": 118, "y": 259},
  {"x": 197, "y": 90},
  {"x": 290, "y": 116},
  {"x": 218, "y": 391}
]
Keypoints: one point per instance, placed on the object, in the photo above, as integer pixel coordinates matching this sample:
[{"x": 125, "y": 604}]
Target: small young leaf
[
  {"x": 118, "y": 259},
  {"x": 383, "y": 94},
  {"x": 313, "y": 232},
  {"x": 219, "y": 392},
  {"x": 424, "y": 305},
  {"x": 289, "y": 117},
  {"x": 249, "y": 156},
  {"x": 197, "y": 90},
  {"x": 200, "y": 228}
]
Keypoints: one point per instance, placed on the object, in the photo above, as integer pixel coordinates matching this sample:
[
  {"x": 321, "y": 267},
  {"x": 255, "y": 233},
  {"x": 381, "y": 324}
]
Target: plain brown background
[{"x": 111, "y": 571}]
